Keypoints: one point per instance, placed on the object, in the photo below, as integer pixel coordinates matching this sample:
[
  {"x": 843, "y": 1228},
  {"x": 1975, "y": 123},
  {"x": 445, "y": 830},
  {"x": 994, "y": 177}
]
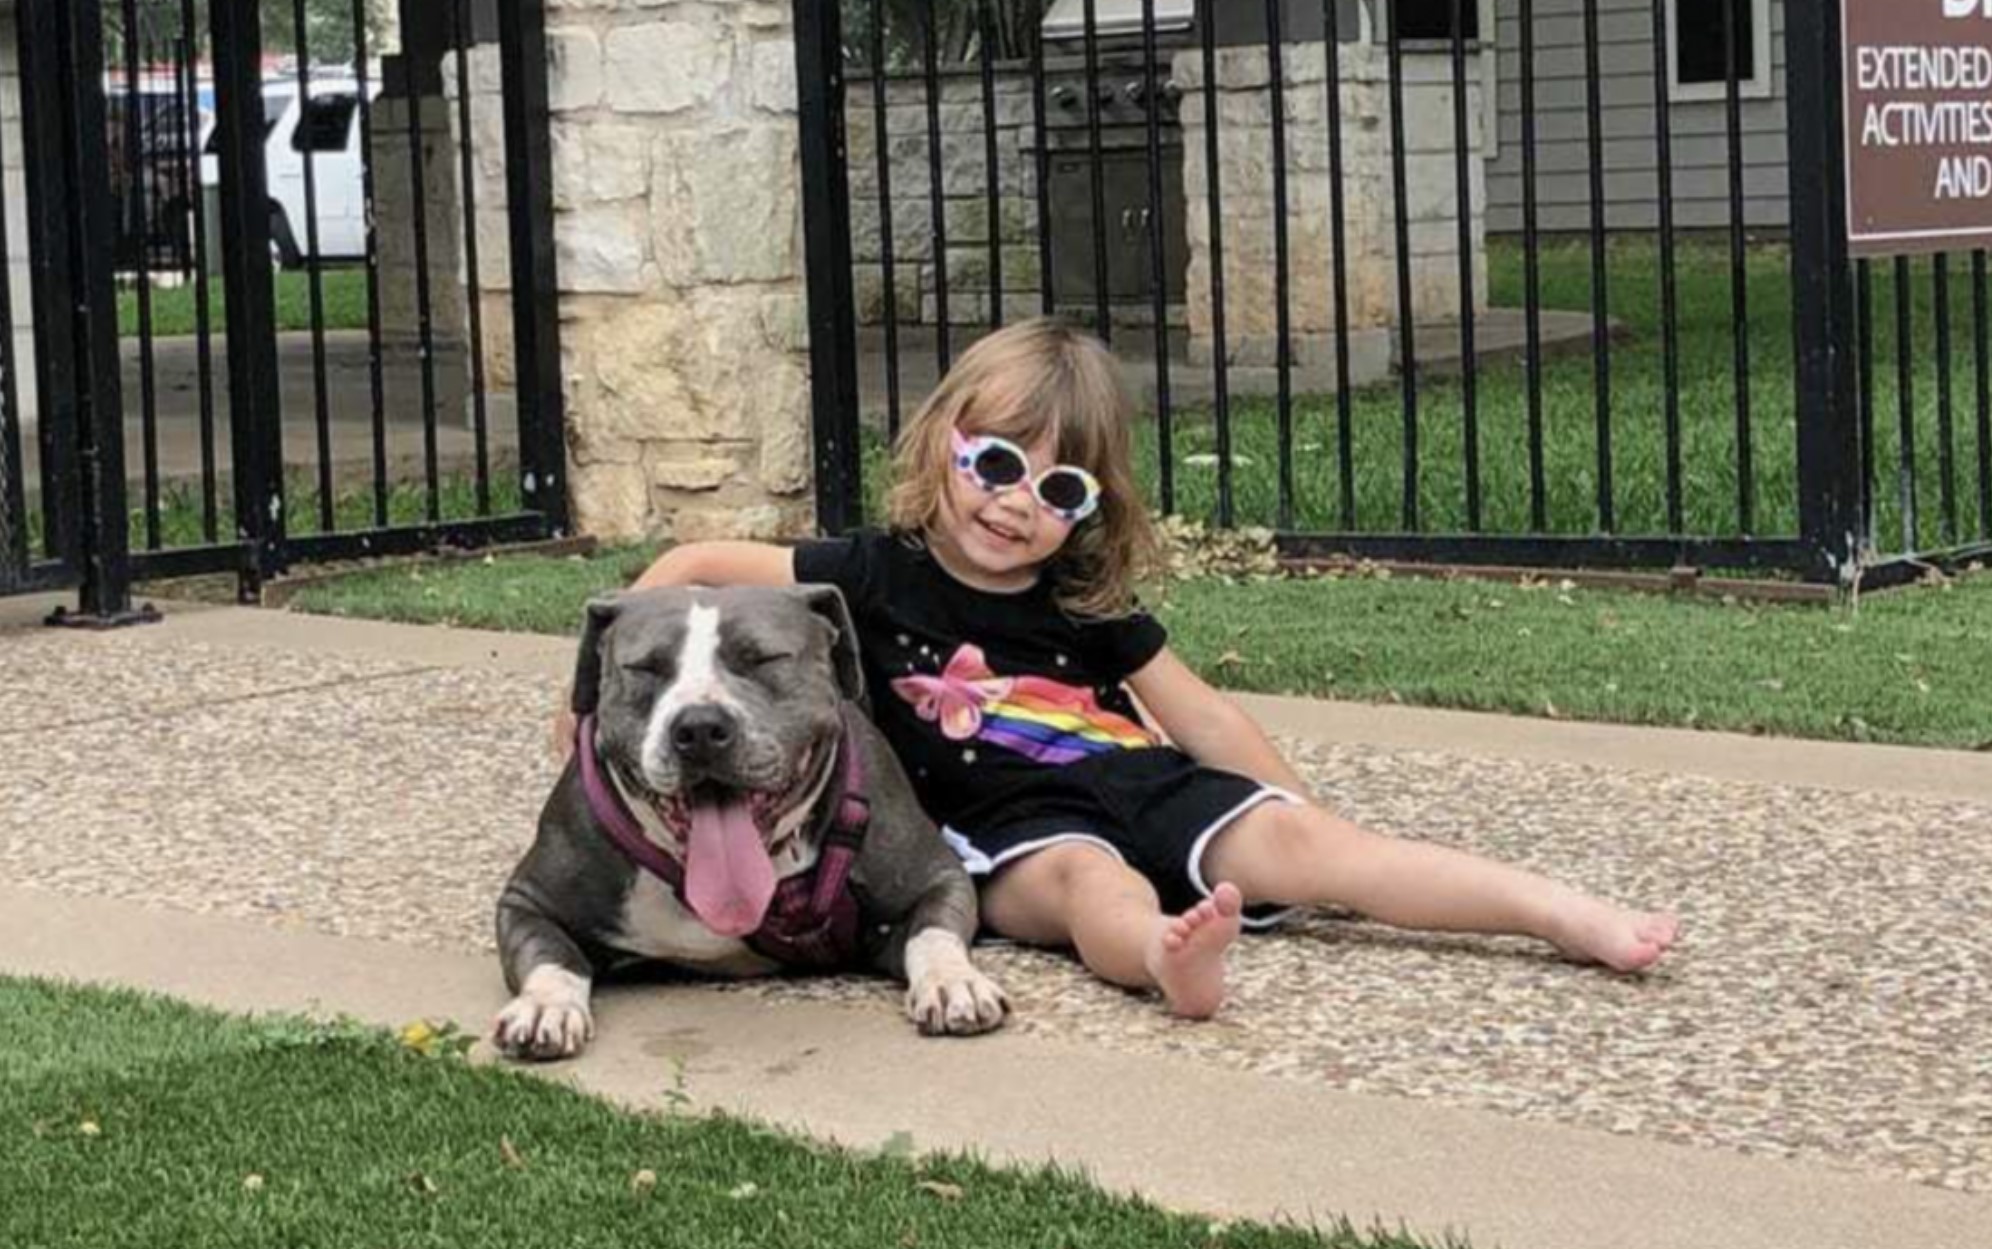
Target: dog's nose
[{"x": 700, "y": 733}]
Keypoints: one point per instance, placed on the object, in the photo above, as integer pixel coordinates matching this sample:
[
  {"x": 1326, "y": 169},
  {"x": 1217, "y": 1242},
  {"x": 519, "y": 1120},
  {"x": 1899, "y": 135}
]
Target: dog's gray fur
[{"x": 779, "y": 664}]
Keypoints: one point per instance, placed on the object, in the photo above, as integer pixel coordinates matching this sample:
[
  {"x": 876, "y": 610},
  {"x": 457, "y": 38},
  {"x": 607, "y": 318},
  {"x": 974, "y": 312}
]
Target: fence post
[
  {"x": 255, "y": 401},
  {"x": 535, "y": 282},
  {"x": 826, "y": 223},
  {"x": 62, "y": 72},
  {"x": 1832, "y": 503}
]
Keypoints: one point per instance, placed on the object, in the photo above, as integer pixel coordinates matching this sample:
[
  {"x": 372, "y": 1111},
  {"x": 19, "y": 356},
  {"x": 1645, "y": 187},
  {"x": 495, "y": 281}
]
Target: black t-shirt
[{"x": 980, "y": 693}]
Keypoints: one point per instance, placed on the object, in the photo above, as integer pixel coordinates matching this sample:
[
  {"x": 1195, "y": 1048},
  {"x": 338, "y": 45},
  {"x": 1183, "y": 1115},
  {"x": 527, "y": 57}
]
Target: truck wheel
[{"x": 283, "y": 244}]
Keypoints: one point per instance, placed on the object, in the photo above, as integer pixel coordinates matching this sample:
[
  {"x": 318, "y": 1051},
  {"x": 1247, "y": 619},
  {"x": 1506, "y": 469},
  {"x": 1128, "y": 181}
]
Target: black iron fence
[
  {"x": 325, "y": 325},
  {"x": 1545, "y": 282}
]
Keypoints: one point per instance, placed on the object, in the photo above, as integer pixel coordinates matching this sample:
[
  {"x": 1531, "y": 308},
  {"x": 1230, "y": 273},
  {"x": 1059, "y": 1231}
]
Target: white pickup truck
[{"x": 325, "y": 126}]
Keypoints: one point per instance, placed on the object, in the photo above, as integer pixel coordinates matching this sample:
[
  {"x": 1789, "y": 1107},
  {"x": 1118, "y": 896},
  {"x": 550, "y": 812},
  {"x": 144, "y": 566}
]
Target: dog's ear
[
  {"x": 827, "y": 601},
  {"x": 602, "y": 613}
]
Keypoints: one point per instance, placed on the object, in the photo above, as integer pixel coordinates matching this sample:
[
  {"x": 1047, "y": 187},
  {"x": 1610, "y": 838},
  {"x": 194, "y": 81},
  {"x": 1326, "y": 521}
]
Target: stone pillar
[
  {"x": 1246, "y": 194},
  {"x": 678, "y": 230},
  {"x": 964, "y": 168},
  {"x": 14, "y": 195},
  {"x": 416, "y": 79}
]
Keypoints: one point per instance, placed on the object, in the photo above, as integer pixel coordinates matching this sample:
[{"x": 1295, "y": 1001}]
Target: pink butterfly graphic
[{"x": 957, "y": 696}]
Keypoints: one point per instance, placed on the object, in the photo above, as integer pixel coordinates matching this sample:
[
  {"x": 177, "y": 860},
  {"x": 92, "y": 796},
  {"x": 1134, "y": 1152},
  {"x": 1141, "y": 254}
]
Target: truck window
[
  {"x": 274, "y": 104},
  {"x": 327, "y": 124}
]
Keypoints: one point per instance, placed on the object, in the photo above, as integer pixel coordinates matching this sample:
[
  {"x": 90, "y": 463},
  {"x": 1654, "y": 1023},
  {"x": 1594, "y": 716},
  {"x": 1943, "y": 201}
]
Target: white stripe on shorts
[{"x": 1267, "y": 793}]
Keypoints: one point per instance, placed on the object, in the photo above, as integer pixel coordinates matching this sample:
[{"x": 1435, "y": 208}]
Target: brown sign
[{"x": 1919, "y": 124}]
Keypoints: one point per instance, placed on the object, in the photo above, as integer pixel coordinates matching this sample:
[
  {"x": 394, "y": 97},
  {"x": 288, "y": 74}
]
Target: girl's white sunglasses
[{"x": 997, "y": 464}]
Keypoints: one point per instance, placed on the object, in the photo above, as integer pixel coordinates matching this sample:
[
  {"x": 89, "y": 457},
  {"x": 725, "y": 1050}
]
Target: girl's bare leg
[{"x": 1303, "y": 855}]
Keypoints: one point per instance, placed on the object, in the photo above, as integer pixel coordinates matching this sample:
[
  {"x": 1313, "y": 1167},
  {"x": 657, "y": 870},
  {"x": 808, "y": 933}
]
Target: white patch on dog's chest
[{"x": 657, "y": 925}]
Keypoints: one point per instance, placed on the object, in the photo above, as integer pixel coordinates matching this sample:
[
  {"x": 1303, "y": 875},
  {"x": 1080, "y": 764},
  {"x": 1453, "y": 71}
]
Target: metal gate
[
  {"x": 1520, "y": 282},
  {"x": 290, "y": 288}
]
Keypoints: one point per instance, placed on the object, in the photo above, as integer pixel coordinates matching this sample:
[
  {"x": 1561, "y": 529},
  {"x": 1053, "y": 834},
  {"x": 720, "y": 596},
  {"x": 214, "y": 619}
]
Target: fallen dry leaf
[
  {"x": 510, "y": 1153},
  {"x": 643, "y": 1181},
  {"x": 942, "y": 1189}
]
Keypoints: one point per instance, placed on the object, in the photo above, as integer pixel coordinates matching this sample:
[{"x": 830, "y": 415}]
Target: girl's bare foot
[
  {"x": 1622, "y": 940},
  {"x": 1186, "y": 956}
]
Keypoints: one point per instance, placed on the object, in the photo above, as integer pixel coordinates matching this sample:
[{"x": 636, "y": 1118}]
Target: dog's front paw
[
  {"x": 945, "y": 994},
  {"x": 549, "y": 1019}
]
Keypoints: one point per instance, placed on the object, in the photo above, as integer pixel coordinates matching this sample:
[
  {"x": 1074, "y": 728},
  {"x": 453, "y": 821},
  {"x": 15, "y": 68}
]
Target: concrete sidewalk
[{"x": 259, "y": 810}]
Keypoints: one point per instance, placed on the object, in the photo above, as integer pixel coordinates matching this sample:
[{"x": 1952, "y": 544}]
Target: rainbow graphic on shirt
[{"x": 1036, "y": 717}]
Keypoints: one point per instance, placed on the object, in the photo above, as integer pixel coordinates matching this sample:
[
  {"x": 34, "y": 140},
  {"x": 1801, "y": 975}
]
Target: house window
[{"x": 1699, "y": 52}]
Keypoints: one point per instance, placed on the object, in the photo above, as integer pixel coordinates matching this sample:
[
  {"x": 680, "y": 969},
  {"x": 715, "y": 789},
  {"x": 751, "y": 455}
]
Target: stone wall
[
  {"x": 443, "y": 202},
  {"x": 964, "y": 165},
  {"x": 493, "y": 217},
  {"x": 394, "y": 238},
  {"x": 14, "y": 194},
  {"x": 1246, "y": 195},
  {"x": 1246, "y": 192},
  {"x": 678, "y": 236}
]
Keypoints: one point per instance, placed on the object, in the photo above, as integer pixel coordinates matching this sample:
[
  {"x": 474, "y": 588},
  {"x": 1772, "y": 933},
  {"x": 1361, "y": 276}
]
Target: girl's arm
[
  {"x": 720, "y": 563},
  {"x": 1209, "y": 727}
]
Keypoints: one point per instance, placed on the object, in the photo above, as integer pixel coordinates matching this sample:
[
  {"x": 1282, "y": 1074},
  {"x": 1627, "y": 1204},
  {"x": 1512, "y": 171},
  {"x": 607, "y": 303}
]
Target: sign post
[{"x": 1918, "y": 91}]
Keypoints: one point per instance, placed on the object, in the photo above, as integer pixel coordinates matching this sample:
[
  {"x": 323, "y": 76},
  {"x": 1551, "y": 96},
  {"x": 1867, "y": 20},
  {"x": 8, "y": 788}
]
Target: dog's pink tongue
[{"x": 729, "y": 879}]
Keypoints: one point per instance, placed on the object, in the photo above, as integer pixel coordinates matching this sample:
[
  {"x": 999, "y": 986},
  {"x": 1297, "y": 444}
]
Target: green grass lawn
[
  {"x": 175, "y": 310},
  {"x": 182, "y": 516},
  {"x": 1905, "y": 667},
  {"x": 131, "y": 1120}
]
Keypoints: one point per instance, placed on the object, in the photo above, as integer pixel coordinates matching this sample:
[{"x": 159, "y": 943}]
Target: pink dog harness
[{"x": 812, "y": 920}]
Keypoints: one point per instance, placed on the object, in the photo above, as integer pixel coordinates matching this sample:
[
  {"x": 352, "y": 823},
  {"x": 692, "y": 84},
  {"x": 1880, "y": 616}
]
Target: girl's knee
[
  {"x": 1034, "y": 898},
  {"x": 1271, "y": 840},
  {"x": 1077, "y": 867}
]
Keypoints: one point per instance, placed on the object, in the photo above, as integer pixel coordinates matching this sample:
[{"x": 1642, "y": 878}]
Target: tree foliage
[
  {"x": 329, "y": 27},
  {"x": 956, "y": 29}
]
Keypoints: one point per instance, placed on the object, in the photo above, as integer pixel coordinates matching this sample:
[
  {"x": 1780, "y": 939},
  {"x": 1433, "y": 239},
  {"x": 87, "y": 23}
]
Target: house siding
[{"x": 1699, "y": 129}]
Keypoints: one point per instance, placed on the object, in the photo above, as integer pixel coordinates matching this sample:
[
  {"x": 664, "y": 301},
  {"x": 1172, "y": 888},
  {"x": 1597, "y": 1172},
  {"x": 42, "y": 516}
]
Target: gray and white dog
[{"x": 729, "y": 810}]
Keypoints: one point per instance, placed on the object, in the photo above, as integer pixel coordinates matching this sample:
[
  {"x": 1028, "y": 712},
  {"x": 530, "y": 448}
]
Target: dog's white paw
[
  {"x": 549, "y": 1019},
  {"x": 945, "y": 994}
]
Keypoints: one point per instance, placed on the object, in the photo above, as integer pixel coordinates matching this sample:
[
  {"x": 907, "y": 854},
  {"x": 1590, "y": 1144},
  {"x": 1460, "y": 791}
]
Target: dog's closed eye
[{"x": 662, "y": 667}]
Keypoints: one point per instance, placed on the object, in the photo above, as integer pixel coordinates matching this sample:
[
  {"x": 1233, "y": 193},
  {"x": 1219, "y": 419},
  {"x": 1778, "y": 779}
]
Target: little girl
[{"x": 1002, "y": 641}]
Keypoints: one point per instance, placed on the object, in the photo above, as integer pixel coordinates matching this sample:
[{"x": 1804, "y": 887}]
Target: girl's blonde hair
[{"x": 1039, "y": 379}]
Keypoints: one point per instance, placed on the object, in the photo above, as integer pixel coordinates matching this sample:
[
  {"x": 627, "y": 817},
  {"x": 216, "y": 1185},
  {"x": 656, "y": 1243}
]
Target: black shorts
[{"x": 1155, "y": 810}]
